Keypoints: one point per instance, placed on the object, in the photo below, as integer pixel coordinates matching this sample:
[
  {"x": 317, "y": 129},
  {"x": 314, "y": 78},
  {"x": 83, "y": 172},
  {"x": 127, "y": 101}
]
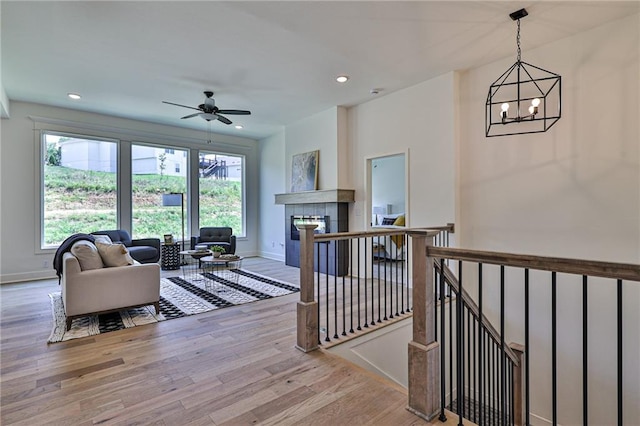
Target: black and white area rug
[{"x": 179, "y": 297}]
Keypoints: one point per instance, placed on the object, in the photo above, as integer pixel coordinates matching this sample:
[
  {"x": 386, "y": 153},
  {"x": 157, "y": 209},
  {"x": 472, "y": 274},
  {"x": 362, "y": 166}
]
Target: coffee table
[
  {"x": 193, "y": 262},
  {"x": 224, "y": 267}
]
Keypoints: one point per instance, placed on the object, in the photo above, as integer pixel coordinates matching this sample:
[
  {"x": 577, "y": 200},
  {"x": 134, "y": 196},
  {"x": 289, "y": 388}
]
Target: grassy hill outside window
[
  {"x": 80, "y": 187},
  {"x": 221, "y": 181}
]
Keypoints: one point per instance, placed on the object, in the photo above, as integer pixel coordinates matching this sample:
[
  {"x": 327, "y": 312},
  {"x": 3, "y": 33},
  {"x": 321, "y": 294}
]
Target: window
[
  {"x": 79, "y": 186},
  {"x": 221, "y": 179},
  {"x": 150, "y": 179}
]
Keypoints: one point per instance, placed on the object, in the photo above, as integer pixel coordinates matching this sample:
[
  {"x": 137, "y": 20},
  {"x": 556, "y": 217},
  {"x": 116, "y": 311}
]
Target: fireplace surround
[{"x": 329, "y": 208}]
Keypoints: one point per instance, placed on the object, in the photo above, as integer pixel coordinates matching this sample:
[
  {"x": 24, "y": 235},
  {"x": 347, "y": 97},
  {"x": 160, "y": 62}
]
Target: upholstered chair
[
  {"x": 144, "y": 250},
  {"x": 215, "y": 236}
]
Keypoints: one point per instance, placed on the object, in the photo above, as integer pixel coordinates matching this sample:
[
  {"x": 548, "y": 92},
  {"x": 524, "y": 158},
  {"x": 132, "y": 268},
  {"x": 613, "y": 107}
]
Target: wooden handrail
[
  {"x": 624, "y": 271},
  {"x": 473, "y": 308},
  {"x": 428, "y": 231}
]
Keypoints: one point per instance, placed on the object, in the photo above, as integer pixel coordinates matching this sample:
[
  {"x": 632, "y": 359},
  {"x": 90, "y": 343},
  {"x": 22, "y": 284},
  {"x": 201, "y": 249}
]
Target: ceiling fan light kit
[
  {"x": 524, "y": 99},
  {"x": 209, "y": 111}
]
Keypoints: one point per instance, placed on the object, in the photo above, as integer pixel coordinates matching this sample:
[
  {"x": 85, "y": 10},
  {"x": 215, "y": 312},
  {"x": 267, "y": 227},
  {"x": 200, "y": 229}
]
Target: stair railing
[
  {"x": 488, "y": 381},
  {"x": 354, "y": 282}
]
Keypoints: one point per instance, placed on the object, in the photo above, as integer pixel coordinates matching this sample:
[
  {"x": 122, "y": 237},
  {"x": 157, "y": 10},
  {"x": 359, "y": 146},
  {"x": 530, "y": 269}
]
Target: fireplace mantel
[{"x": 311, "y": 197}]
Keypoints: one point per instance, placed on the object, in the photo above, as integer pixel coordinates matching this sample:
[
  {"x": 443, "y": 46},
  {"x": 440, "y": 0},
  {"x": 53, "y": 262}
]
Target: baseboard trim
[{"x": 27, "y": 276}]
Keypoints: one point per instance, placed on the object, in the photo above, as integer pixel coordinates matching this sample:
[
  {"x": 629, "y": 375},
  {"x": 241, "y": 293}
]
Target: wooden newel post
[
  {"x": 424, "y": 351},
  {"x": 307, "y": 312},
  {"x": 518, "y": 371}
]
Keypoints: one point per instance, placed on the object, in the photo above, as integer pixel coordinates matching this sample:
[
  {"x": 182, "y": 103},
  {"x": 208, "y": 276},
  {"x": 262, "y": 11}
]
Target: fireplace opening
[{"x": 322, "y": 223}]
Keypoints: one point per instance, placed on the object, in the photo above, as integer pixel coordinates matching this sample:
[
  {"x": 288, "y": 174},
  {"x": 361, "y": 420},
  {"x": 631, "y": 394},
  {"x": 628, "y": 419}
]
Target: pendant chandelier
[{"x": 524, "y": 99}]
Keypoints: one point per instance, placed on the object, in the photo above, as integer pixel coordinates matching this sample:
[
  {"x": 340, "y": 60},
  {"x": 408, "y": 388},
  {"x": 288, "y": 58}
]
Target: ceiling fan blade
[
  {"x": 234, "y": 111},
  {"x": 225, "y": 120},
  {"x": 184, "y": 106},
  {"x": 191, "y": 115}
]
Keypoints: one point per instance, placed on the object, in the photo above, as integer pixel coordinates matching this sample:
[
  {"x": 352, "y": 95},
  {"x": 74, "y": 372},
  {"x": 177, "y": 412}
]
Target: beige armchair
[{"x": 107, "y": 289}]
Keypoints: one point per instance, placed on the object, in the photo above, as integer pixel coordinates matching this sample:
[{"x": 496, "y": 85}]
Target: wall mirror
[{"x": 387, "y": 180}]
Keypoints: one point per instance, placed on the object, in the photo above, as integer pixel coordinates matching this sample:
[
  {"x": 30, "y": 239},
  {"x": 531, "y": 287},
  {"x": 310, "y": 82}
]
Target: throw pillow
[
  {"x": 399, "y": 221},
  {"x": 87, "y": 254},
  {"x": 104, "y": 239},
  {"x": 388, "y": 221},
  {"x": 114, "y": 254}
]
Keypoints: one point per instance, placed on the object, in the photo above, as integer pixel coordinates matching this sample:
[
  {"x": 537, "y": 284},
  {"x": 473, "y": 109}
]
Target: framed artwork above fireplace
[{"x": 304, "y": 172}]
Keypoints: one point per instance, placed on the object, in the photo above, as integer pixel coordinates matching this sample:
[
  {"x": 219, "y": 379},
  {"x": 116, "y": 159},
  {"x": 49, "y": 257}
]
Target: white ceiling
[{"x": 277, "y": 59}]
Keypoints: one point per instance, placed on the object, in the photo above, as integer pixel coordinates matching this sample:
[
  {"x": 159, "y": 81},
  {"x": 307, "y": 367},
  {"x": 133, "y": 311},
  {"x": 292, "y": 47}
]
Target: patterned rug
[{"x": 179, "y": 297}]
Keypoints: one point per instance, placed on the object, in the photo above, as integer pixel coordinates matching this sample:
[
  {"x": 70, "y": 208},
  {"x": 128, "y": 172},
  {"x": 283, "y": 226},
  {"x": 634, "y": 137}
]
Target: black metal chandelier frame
[{"x": 523, "y": 83}]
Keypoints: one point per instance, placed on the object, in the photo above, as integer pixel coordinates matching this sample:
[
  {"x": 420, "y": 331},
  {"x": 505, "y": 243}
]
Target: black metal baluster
[
  {"x": 344, "y": 299},
  {"x": 468, "y": 372},
  {"x": 385, "y": 291},
  {"x": 585, "y": 363},
  {"x": 494, "y": 383},
  {"x": 351, "y": 279},
  {"x": 527, "y": 347},
  {"x": 503, "y": 401},
  {"x": 511, "y": 412},
  {"x": 317, "y": 246},
  {"x": 379, "y": 288},
  {"x": 481, "y": 397},
  {"x": 407, "y": 279},
  {"x": 451, "y": 347},
  {"x": 373, "y": 299},
  {"x": 443, "y": 376},
  {"x": 474, "y": 322},
  {"x": 326, "y": 276},
  {"x": 554, "y": 360},
  {"x": 335, "y": 287},
  {"x": 401, "y": 284},
  {"x": 366, "y": 269},
  {"x": 436, "y": 297},
  {"x": 620, "y": 394},
  {"x": 396, "y": 286},
  {"x": 460, "y": 348},
  {"x": 365, "y": 276}
]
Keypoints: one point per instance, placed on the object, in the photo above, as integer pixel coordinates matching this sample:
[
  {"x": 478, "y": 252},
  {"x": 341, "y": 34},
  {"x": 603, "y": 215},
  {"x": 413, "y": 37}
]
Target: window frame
[
  {"x": 243, "y": 187},
  {"x": 42, "y": 149}
]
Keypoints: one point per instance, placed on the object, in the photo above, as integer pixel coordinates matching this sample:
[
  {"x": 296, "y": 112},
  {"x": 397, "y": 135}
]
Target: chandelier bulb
[
  {"x": 532, "y": 110},
  {"x": 535, "y": 102},
  {"x": 505, "y": 107}
]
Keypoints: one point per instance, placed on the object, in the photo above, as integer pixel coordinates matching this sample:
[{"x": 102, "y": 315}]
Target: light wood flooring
[{"x": 234, "y": 366}]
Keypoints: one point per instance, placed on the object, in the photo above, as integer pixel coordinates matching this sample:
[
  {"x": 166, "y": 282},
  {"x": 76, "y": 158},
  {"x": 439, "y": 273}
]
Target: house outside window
[
  {"x": 222, "y": 191},
  {"x": 79, "y": 186},
  {"x": 156, "y": 171}
]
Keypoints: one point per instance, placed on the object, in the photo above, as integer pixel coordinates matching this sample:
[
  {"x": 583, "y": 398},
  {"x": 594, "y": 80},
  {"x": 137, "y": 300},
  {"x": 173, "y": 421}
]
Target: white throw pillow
[
  {"x": 87, "y": 254},
  {"x": 114, "y": 254},
  {"x": 104, "y": 239}
]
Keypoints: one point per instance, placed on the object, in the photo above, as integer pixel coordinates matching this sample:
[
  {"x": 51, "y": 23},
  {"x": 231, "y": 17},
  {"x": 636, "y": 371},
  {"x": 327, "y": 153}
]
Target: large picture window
[
  {"x": 79, "y": 186},
  {"x": 222, "y": 191},
  {"x": 157, "y": 171}
]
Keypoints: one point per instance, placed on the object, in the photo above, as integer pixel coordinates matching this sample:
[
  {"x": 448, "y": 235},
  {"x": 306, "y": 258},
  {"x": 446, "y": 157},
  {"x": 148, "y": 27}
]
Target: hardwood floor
[{"x": 233, "y": 366}]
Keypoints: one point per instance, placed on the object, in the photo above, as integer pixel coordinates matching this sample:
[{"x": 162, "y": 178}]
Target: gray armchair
[{"x": 216, "y": 236}]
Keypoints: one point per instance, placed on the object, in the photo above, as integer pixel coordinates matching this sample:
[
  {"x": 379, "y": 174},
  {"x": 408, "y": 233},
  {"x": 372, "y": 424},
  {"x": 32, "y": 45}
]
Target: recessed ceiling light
[
  {"x": 74, "y": 96},
  {"x": 239, "y": 126},
  {"x": 342, "y": 78}
]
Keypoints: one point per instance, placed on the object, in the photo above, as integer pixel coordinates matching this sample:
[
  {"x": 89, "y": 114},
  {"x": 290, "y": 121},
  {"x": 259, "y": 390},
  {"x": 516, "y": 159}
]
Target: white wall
[
  {"x": 272, "y": 181},
  {"x": 21, "y": 257},
  {"x": 419, "y": 121},
  {"x": 318, "y": 132},
  {"x": 571, "y": 192}
]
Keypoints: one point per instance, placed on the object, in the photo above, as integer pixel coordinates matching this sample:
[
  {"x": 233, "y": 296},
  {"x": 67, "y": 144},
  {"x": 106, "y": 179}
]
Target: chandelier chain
[{"x": 518, "y": 41}]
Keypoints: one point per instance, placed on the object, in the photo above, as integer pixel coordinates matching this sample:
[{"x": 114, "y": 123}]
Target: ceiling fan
[{"x": 209, "y": 111}]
